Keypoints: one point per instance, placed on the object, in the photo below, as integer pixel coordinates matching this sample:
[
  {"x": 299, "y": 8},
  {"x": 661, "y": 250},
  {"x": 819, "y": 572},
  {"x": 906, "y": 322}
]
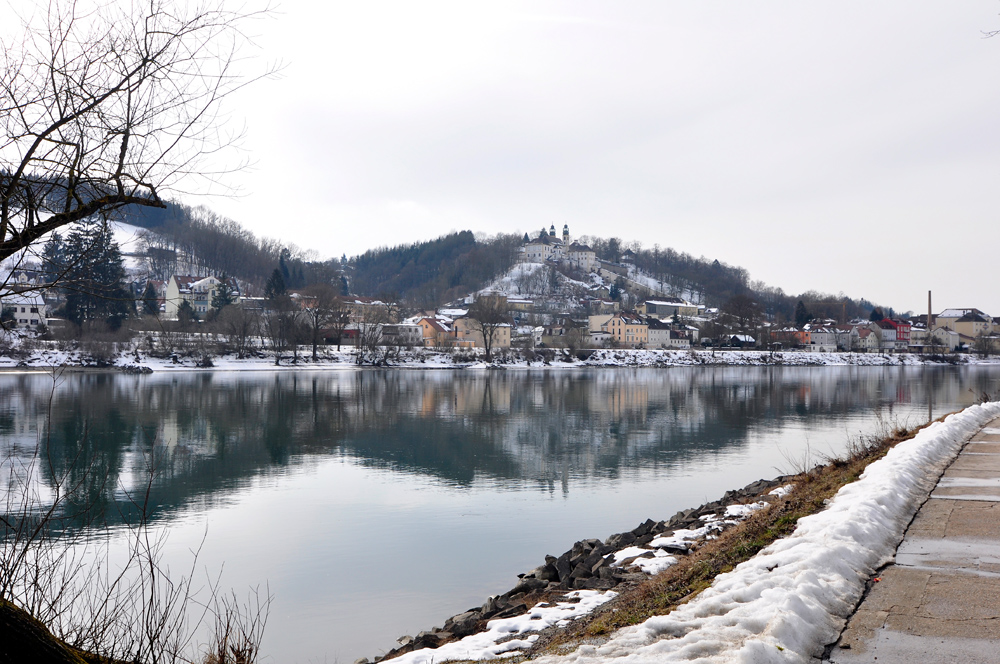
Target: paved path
[{"x": 940, "y": 600}]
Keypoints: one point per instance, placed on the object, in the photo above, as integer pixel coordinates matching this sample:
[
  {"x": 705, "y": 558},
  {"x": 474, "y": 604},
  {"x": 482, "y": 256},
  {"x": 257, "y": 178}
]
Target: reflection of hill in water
[{"x": 211, "y": 432}]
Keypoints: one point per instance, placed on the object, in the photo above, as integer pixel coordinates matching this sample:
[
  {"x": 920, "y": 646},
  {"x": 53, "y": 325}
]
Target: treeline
[
  {"x": 714, "y": 283},
  {"x": 199, "y": 241},
  {"x": 426, "y": 274}
]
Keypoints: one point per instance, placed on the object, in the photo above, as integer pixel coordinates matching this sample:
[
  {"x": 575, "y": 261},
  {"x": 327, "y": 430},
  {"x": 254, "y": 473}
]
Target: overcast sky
[{"x": 839, "y": 146}]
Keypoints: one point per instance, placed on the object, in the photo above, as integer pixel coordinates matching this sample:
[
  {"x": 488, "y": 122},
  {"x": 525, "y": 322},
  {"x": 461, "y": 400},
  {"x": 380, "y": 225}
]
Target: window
[{"x": 34, "y": 310}]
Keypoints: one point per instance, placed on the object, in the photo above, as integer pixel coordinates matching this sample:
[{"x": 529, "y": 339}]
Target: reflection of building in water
[{"x": 548, "y": 429}]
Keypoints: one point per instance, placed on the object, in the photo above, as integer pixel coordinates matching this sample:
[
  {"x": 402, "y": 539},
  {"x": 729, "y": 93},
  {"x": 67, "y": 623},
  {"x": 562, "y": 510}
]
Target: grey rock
[
  {"x": 643, "y": 528},
  {"x": 563, "y": 567}
]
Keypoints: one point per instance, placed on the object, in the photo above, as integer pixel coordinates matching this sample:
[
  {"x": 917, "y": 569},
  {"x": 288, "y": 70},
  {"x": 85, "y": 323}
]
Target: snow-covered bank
[
  {"x": 789, "y": 601},
  {"x": 38, "y": 354}
]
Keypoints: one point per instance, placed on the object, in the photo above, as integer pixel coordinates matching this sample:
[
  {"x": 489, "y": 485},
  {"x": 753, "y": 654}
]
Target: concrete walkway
[{"x": 940, "y": 600}]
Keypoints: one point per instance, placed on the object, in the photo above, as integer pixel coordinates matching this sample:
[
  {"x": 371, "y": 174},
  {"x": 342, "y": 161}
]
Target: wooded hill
[{"x": 429, "y": 273}]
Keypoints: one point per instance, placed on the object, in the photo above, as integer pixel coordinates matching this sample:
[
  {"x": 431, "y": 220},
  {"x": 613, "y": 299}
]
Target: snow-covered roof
[{"x": 957, "y": 313}]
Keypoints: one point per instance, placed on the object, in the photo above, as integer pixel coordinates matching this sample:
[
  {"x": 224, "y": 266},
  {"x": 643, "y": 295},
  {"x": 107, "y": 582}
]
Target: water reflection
[{"x": 206, "y": 433}]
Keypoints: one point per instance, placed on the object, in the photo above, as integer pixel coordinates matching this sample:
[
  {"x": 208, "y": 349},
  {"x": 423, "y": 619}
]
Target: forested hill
[{"x": 429, "y": 273}]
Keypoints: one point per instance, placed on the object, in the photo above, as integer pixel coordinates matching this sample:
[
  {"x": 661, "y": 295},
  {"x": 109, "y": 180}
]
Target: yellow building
[{"x": 628, "y": 330}]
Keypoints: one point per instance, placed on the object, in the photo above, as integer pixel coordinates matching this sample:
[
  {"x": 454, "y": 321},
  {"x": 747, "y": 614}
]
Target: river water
[{"x": 378, "y": 503}]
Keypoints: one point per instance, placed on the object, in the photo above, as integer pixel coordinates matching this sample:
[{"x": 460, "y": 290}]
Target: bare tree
[
  {"x": 321, "y": 306},
  {"x": 240, "y": 325},
  {"x": 108, "y": 104},
  {"x": 984, "y": 344},
  {"x": 369, "y": 339},
  {"x": 491, "y": 314},
  {"x": 278, "y": 325},
  {"x": 744, "y": 311}
]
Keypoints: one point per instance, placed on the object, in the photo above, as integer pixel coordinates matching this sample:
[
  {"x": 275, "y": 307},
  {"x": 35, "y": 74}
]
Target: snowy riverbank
[
  {"x": 782, "y": 606},
  {"x": 45, "y": 355}
]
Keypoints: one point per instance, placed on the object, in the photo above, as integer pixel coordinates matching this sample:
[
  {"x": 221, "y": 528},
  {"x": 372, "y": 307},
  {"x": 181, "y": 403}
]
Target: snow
[
  {"x": 781, "y": 490},
  {"x": 52, "y": 354},
  {"x": 496, "y": 641},
  {"x": 788, "y": 602}
]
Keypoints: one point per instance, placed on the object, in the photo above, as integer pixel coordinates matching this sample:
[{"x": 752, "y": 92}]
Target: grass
[{"x": 696, "y": 571}]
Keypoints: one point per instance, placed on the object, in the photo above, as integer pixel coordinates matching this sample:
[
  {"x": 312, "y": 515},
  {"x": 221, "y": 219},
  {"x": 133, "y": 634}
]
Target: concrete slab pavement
[{"x": 940, "y": 600}]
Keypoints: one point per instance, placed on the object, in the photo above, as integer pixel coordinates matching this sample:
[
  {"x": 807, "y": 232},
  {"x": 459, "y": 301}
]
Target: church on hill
[{"x": 549, "y": 247}]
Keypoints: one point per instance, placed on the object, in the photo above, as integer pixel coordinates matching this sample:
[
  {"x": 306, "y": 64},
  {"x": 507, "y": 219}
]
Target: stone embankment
[{"x": 595, "y": 565}]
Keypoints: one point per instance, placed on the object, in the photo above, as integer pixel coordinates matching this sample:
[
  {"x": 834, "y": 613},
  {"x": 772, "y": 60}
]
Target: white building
[
  {"x": 27, "y": 308},
  {"x": 198, "y": 291}
]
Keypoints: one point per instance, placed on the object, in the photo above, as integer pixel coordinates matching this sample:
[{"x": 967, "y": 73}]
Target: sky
[{"x": 841, "y": 146}]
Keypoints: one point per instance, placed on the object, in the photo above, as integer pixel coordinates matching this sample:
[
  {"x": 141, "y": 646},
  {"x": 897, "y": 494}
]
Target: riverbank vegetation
[
  {"x": 808, "y": 492},
  {"x": 695, "y": 572}
]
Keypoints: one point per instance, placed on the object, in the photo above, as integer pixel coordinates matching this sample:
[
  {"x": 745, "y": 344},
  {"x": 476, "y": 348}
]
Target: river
[{"x": 378, "y": 503}]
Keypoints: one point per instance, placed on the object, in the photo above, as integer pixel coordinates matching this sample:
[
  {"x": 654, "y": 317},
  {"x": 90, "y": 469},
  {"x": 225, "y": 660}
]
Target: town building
[
  {"x": 25, "y": 308},
  {"x": 197, "y": 291}
]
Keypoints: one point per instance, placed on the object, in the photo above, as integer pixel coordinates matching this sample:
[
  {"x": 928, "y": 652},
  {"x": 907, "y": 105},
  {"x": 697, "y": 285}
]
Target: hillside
[{"x": 429, "y": 273}]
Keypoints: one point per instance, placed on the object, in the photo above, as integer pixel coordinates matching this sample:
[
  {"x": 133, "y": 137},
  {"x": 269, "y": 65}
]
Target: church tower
[{"x": 566, "y": 234}]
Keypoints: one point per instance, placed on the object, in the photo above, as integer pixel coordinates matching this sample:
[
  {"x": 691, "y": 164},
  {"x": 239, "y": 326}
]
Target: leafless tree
[
  {"x": 240, "y": 325},
  {"x": 320, "y": 308},
  {"x": 985, "y": 344},
  {"x": 369, "y": 339},
  {"x": 743, "y": 310},
  {"x": 108, "y": 104},
  {"x": 491, "y": 314},
  {"x": 279, "y": 326}
]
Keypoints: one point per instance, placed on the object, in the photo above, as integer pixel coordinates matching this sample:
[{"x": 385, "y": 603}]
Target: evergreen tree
[
  {"x": 186, "y": 313},
  {"x": 53, "y": 258},
  {"x": 275, "y": 286},
  {"x": 150, "y": 301},
  {"x": 802, "y": 315},
  {"x": 876, "y": 315},
  {"x": 224, "y": 294},
  {"x": 283, "y": 263},
  {"x": 95, "y": 276}
]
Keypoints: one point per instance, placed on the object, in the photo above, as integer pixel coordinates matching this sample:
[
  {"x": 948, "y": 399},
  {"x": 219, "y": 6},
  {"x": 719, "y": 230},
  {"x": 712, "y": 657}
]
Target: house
[
  {"x": 823, "y": 339},
  {"x": 581, "y": 256},
  {"x": 435, "y": 332},
  {"x": 628, "y": 330},
  {"x": 661, "y": 335},
  {"x": 466, "y": 333},
  {"x": 949, "y": 317},
  {"x": 885, "y": 332},
  {"x": 668, "y": 308},
  {"x": 25, "y": 308},
  {"x": 197, "y": 291},
  {"x": 740, "y": 341},
  {"x": 864, "y": 339},
  {"x": 402, "y": 334},
  {"x": 974, "y": 324},
  {"x": 903, "y": 331}
]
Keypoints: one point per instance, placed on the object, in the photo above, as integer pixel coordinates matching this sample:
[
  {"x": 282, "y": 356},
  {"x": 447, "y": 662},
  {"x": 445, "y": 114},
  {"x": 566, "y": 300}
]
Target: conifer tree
[
  {"x": 95, "y": 277},
  {"x": 53, "y": 258},
  {"x": 224, "y": 294},
  {"x": 275, "y": 286},
  {"x": 150, "y": 301}
]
